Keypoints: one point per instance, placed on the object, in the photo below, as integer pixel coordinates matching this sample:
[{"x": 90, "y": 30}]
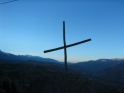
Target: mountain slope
[
  {"x": 10, "y": 56},
  {"x": 115, "y": 73},
  {"x": 44, "y": 77},
  {"x": 94, "y": 66}
]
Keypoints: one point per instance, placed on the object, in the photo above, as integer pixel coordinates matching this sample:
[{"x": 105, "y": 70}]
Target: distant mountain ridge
[
  {"x": 103, "y": 68},
  {"x": 48, "y": 77},
  {"x": 108, "y": 69},
  {"x": 100, "y": 64},
  {"x": 115, "y": 73},
  {"x": 10, "y": 56}
]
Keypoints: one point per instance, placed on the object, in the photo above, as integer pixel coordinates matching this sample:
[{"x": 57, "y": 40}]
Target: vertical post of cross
[{"x": 65, "y": 56}]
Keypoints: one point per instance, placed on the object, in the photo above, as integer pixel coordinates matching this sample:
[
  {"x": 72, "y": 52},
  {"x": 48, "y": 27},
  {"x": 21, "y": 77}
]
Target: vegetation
[{"x": 46, "y": 77}]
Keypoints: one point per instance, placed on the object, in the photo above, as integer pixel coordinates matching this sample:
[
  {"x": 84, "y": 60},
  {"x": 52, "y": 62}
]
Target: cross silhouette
[{"x": 65, "y": 53}]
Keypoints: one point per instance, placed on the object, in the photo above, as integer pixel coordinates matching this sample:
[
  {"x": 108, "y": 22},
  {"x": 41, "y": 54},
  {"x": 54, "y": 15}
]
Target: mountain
[
  {"x": 96, "y": 65},
  {"x": 115, "y": 73},
  {"x": 10, "y": 56},
  {"x": 48, "y": 77},
  {"x": 107, "y": 69}
]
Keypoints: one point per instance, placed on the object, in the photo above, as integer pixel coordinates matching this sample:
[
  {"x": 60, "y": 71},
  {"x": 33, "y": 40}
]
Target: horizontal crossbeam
[{"x": 50, "y": 50}]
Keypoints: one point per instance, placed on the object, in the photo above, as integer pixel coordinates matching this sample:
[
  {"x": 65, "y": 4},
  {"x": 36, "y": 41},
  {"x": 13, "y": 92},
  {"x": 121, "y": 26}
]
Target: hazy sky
[{"x": 32, "y": 26}]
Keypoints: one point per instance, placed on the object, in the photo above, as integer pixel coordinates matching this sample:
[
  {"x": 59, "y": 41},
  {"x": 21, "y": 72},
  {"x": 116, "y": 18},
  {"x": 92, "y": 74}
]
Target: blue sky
[{"x": 32, "y": 26}]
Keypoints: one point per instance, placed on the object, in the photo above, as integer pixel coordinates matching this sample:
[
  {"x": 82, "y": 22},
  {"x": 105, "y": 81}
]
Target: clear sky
[{"x": 32, "y": 26}]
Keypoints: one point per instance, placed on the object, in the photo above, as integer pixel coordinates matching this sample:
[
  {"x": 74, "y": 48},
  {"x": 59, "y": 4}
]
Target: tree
[
  {"x": 13, "y": 87},
  {"x": 6, "y": 86}
]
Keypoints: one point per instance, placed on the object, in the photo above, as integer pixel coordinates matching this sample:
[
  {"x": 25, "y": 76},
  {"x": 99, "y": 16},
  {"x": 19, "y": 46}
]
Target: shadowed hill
[
  {"x": 47, "y": 77},
  {"x": 115, "y": 73},
  {"x": 94, "y": 66}
]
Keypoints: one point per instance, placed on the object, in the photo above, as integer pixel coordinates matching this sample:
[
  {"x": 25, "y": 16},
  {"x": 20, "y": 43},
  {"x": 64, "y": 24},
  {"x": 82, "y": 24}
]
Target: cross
[{"x": 65, "y": 53}]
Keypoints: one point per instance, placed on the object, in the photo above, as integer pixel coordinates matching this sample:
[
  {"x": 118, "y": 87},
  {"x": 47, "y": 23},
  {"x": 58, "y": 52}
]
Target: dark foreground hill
[{"x": 46, "y": 77}]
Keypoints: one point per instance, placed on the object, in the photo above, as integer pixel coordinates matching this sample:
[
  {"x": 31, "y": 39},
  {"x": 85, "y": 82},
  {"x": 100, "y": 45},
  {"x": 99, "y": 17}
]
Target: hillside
[
  {"x": 33, "y": 74},
  {"x": 47, "y": 77},
  {"x": 94, "y": 66},
  {"x": 10, "y": 56},
  {"x": 115, "y": 73}
]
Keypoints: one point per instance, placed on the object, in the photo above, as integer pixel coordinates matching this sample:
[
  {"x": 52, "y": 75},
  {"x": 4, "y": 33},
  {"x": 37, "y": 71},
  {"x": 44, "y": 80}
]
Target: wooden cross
[{"x": 65, "y": 53}]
